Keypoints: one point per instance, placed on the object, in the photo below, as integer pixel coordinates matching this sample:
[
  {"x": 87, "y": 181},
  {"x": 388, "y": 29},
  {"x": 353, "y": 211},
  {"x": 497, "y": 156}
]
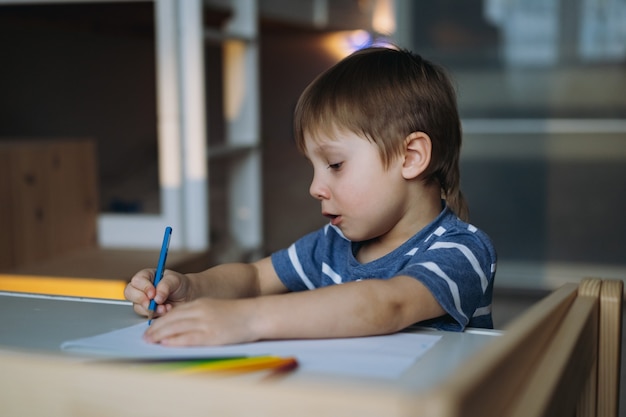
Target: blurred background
[{"x": 186, "y": 108}]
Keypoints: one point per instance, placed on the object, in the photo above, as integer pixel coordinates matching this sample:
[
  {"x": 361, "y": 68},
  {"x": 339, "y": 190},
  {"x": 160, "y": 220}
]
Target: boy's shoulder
[{"x": 448, "y": 227}]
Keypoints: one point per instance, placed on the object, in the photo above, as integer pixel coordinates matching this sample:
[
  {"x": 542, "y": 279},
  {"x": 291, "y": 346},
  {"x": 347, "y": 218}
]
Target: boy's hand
[
  {"x": 172, "y": 289},
  {"x": 205, "y": 321}
]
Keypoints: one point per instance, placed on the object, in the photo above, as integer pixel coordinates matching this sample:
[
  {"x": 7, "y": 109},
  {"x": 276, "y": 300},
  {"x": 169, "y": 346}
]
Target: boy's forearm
[
  {"x": 353, "y": 309},
  {"x": 235, "y": 280}
]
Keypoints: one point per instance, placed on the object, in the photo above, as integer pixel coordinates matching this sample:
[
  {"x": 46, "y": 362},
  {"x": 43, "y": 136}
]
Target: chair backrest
[
  {"x": 610, "y": 347},
  {"x": 561, "y": 357}
]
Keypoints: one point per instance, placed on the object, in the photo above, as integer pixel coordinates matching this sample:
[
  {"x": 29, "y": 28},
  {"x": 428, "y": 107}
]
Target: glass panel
[{"x": 542, "y": 94}]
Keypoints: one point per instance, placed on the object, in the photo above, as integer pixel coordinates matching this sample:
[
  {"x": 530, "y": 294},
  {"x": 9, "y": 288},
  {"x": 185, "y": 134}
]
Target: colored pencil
[
  {"x": 160, "y": 269},
  {"x": 219, "y": 364},
  {"x": 242, "y": 365}
]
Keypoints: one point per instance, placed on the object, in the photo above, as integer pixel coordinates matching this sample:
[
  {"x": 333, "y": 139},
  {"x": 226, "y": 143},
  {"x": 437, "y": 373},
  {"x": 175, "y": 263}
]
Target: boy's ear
[{"x": 417, "y": 153}]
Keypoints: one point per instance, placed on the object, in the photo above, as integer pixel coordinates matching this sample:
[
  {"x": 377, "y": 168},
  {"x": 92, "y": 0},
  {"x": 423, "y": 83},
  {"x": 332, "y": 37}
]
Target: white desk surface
[{"x": 41, "y": 323}]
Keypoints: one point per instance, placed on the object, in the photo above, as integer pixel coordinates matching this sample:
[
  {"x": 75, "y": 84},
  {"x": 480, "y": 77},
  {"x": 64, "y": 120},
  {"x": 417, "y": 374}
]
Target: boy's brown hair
[{"x": 384, "y": 95}]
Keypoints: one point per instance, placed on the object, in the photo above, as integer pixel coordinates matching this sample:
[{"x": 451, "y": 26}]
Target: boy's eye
[{"x": 335, "y": 166}]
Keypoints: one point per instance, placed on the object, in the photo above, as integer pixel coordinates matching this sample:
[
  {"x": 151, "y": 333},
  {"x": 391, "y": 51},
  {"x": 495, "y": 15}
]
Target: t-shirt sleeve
[
  {"x": 458, "y": 270},
  {"x": 298, "y": 265}
]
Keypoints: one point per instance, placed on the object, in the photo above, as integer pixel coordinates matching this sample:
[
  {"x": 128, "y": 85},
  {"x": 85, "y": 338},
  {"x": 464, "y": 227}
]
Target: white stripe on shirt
[
  {"x": 454, "y": 289},
  {"x": 336, "y": 229},
  {"x": 326, "y": 269},
  {"x": 468, "y": 255},
  {"x": 293, "y": 257},
  {"x": 438, "y": 232},
  {"x": 482, "y": 311}
]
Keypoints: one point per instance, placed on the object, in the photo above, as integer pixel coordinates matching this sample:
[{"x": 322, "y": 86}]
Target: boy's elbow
[{"x": 408, "y": 302}]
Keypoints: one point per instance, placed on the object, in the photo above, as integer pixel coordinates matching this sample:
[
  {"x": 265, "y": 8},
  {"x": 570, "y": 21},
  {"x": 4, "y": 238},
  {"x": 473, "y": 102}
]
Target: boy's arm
[
  {"x": 237, "y": 280},
  {"x": 361, "y": 308},
  {"x": 223, "y": 281}
]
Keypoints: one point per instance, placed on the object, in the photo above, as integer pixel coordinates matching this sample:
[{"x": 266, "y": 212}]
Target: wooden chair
[{"x": 560, "y": 358}]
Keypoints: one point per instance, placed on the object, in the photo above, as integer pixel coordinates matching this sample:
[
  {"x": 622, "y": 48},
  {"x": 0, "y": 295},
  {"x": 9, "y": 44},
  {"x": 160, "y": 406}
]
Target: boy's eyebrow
[
  {"x": 319, "y": 146},
  {"x": 319, "y": 151},
  {"x": 326, "y": 147}
]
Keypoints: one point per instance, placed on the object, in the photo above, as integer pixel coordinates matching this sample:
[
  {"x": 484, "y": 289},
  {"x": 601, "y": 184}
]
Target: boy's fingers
[
  {"x": 149, "y": 290},
  {"x": 162, "y": 292},
  {"x": 139, "y": 309},
  {"x": 167, "y": 286},
  {"x": 183, "y": 339},
  {"x": 135, "y": 295},
  {"x": 142, "y": 281}
]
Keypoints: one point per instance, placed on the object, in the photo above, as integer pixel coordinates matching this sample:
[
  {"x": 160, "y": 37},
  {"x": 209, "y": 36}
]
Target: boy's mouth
[{"x": 335, "y": 219}]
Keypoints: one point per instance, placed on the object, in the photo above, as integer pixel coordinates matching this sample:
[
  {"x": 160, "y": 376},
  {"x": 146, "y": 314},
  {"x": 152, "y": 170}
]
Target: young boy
[{"x": 382, "y": 132}]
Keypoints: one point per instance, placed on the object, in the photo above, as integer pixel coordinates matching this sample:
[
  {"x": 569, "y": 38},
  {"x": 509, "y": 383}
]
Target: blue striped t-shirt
[{"x": 453, "y": 259}]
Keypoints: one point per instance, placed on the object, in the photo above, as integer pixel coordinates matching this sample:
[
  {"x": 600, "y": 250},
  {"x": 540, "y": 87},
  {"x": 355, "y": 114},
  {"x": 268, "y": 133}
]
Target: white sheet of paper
[{"x": 377, "y": 356}]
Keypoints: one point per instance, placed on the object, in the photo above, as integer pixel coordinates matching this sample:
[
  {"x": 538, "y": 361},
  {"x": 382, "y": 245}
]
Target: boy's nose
[{"x": 317, "y": 190}]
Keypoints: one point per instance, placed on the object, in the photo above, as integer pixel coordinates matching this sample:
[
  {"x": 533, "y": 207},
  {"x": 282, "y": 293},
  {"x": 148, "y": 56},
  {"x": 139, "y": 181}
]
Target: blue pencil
[{"x": 160, "y": 268}]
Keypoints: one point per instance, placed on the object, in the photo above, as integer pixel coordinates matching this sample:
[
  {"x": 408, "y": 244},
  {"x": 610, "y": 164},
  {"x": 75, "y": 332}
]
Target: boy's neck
[{"x": 425, "y": 208}]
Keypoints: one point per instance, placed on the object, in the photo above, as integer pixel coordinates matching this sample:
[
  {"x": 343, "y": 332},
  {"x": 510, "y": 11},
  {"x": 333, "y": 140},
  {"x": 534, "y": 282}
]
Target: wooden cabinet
[{"x": 49, "y": 197}]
